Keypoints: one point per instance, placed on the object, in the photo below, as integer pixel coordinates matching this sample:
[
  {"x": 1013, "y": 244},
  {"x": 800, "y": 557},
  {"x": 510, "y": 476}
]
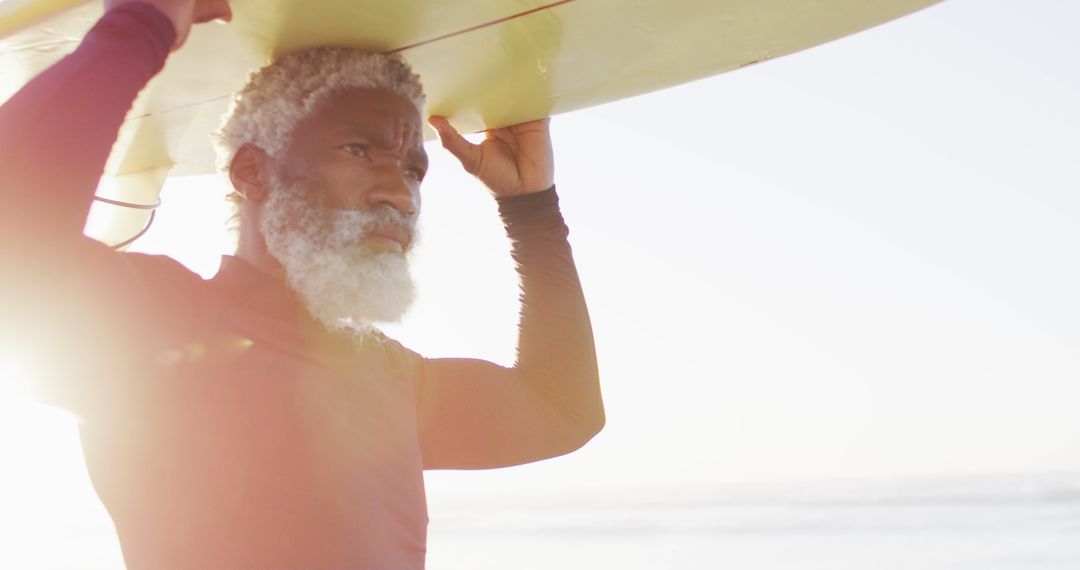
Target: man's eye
[
  {"x": 356, "y": 149},
  {"x": 416, "y": 174}
]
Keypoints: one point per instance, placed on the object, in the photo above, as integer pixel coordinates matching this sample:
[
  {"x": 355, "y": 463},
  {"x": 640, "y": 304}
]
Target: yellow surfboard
[{"x": 484, "y": 63}]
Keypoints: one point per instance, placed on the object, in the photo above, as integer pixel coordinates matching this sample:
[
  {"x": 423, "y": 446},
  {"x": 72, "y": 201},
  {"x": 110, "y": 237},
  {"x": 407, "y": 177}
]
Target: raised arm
[
  {"x": 56, "y": 133},
  {"x": 475, "y": 414},
  {"x": 62, "y": 295}
]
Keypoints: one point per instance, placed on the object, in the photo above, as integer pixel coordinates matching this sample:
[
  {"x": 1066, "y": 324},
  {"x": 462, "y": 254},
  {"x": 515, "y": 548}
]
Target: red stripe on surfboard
[{"x": 482, "y": 26}]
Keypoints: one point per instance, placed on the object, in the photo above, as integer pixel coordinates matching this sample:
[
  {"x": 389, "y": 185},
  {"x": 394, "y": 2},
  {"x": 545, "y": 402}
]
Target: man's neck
[{"x": 252, "y": 249}]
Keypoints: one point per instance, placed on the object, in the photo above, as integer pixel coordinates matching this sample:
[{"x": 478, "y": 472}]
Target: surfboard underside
[{"x": 484, "y": 63}]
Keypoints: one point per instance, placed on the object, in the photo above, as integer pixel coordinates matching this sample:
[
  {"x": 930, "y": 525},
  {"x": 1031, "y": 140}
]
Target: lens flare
[{"x": 13, "y": 379}]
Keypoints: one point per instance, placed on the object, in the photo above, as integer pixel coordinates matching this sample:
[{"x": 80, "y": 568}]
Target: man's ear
[{"x": 249, "y": 172}]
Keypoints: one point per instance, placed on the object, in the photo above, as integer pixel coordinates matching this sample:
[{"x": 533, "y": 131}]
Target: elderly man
[{"x": 258, "y": 419}]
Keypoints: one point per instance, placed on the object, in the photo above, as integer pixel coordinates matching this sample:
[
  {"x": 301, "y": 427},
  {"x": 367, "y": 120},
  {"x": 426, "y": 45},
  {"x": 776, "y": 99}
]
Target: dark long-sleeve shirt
[{"x": 221, "y": 425}]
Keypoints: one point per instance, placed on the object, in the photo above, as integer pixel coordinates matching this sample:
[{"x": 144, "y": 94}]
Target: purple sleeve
[
  {"x": 56, "y": 133},
  {"x": 70, "y": 307}
]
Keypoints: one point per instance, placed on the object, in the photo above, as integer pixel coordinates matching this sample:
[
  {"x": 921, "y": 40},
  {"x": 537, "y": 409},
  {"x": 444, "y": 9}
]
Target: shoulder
[
  {"x": 160, "y": 270},
  {"x": 399, "y": 359},
  {"x": 162, "y": 289}
]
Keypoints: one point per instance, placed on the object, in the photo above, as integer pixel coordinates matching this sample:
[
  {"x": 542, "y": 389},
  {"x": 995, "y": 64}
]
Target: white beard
[{"x": 345, "y": 285}]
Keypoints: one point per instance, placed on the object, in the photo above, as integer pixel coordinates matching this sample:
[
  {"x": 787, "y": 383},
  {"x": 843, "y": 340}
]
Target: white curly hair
[{"x": 279, "y": 95}]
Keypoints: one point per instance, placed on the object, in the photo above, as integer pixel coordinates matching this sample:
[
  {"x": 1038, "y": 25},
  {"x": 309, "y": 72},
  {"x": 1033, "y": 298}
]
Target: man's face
[
  {"x": 342, "y": 208},
  {"x": 362, "y": 148}
]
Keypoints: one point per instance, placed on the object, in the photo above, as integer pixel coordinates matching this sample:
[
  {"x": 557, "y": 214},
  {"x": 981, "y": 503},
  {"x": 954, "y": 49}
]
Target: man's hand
[
  {"x": 510, "y": 161},
  {"x": 184, "y": 13}
]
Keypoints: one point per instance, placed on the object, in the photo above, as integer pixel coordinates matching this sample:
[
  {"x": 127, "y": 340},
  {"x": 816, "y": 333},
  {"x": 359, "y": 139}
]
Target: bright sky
[{"x": 861, "y": 260}]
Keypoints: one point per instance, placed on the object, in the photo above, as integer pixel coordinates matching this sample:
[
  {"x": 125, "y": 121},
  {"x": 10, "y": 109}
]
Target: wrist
[
  {"x": 522, "y": 212},
  {"x": 141, "y": 20}
]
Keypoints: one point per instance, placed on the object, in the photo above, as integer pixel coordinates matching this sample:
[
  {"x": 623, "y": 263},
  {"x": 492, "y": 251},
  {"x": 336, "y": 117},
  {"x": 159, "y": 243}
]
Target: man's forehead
[
  {"x": 372, "y": 109},
  {"x": 385, "y": 134},
  {"x": 373, "y": 101}
]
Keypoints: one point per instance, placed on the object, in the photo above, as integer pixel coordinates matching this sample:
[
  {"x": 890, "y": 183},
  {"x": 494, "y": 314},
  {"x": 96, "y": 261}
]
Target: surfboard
[{"x": 484, "y": 63}]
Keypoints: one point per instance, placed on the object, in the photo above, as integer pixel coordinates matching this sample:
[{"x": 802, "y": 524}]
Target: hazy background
[{"x": 857, "y": 262}]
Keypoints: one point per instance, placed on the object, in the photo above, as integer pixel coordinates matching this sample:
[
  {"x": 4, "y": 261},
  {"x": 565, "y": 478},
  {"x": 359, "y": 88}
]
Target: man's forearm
[
  {"x": 556, "y": 351},
  {"x": 476, "y": 415},
  {"x": 56, "y": 133}
]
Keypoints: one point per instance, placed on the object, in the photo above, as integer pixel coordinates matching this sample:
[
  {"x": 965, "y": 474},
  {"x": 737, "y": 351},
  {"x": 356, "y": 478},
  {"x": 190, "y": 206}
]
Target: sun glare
[
  {"x": 13, "y": 380},
  {"x": 45, "y": 492}
]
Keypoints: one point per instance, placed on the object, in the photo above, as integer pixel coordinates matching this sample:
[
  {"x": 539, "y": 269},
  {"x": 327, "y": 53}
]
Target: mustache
[
  {"x": 307, "y": 210},
  {"x": 385, "y": 215},
  {"x": 338, "y": 228}
]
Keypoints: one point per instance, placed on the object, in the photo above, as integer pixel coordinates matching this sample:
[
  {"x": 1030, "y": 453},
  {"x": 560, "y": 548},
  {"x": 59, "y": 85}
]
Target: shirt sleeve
[
  {"x": 475, "y": 414},
  {"x": 69, "y": 306},
  {"x": 56, "y": 133}
]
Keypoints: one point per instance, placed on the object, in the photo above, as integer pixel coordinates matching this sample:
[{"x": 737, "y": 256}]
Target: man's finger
[
  {"x": 538, "y": 125},
  {"x": 210, "y": 10},
  {"x": 465, "y": 151}
]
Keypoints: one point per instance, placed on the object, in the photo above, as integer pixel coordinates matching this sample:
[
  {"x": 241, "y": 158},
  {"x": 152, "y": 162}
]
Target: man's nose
[{"x": 393, "y": 188}]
